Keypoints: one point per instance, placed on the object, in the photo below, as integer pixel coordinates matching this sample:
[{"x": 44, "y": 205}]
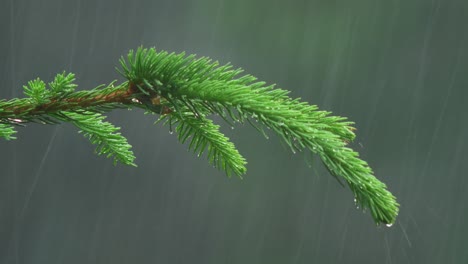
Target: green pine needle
[
  {"x": 36, "y": 89},
  {"x": 184, "y": 91},
  {"x": 204, "y": 135},
  {"x": 7, "y": 131},
  {"x": 63, "y": 84},
  {"x": 102, "y": 134}
]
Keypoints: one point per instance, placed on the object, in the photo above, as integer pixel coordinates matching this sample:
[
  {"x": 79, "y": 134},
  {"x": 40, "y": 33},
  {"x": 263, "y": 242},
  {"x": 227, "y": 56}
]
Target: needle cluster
[{"x": 185, "y": 90}]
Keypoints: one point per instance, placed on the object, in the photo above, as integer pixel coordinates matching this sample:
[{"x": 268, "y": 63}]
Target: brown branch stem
[{"x": 26, "y": 109}]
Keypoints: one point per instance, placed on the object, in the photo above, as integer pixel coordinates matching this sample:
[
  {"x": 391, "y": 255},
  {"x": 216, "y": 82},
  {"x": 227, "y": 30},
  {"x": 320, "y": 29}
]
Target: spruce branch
[
  {"x": 103, "y": 134},
  {"x": 204, "y": 135},
  {"x": 185, "y": 91}
]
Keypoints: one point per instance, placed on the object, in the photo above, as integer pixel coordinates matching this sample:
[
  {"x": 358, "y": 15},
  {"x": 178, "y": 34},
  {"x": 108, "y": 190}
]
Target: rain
[{"x": 395, "y": 68}]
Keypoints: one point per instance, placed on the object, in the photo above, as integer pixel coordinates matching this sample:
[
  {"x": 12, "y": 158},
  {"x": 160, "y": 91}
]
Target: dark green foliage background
[{"x": 396, "y": 68}]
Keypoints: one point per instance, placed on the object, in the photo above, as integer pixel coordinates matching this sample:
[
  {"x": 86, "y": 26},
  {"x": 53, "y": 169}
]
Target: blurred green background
[{"x": 397, "y": 68}]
